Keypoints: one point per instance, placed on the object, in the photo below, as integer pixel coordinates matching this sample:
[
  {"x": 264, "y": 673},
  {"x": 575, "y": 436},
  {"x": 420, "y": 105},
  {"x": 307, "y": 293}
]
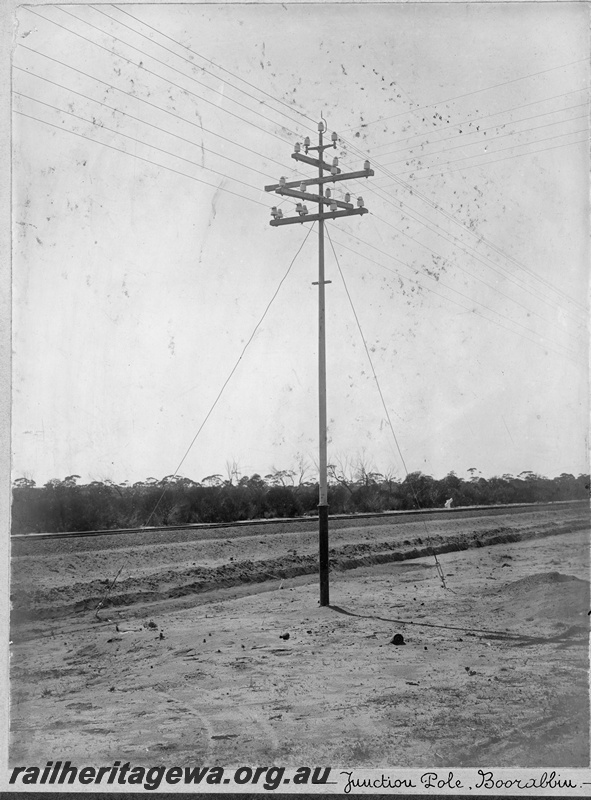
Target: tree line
[{"x": 68, "y": 505}]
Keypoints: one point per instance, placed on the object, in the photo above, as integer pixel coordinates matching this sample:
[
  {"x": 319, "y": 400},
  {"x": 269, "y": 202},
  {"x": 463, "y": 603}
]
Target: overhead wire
[
  {"x": 140, "y": 158},
  {"x": 192, "y": 63},
  {"x": 446, "y": 236},
  {"x": 492, "y": 139},
  {"x": 145, "y": 69},
  {"x": 138, "y": 119},
  {"x": 103, "y": 127},
  {"x": 439, "y": 231},
  {"x": 477, "y": 119},
  {"x": 215, "y": 187},
  {"x": 493, "y": 152},
  {"x": 467, "y": 94},
  {"x": 146, "y": 102},
  {"x": 509, "y": 158},
  {"x": 164, "y": 63},
  {"x": 423, "y": 286},
  {"x": 384, "y": 405},
  {"x": 437, "y": 207},
  {"x": 412, "y": 213},
  {"x": 490, "y": 244},
  {"x": 151, "y": 72},
  {"x": 379, "y": 191},
  {"x": 107, "y": 127},
  {"x": 415, "y": 192},
  {"x": 367, "y": 351},
  {"x": 140, "y": 50},
  {"x": 457, "y": 266},
  {"x": 457, "y": 291},
  {"x": 116, "y": 38},
  {"x": 217, "y": 66},
  {"x": 232, "y": 371}
]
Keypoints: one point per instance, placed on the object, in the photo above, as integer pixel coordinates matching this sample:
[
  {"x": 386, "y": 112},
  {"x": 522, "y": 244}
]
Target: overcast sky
[{"x": 143, "y": 258}]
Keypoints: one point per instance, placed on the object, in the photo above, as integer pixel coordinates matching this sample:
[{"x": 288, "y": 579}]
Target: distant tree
[
  {"x": 23, "y": 483},
  {"x": 420, "y": 491},
  {"x": 281, "y": 501},
  {"x": 301, "y": 471},
  {"x": 339, "y": 472},
  {"x": 232, "y": 472},
  {"x": 280, "y": 477},
  {"x": 213, "y": 480},
  {"x": 354, "y": 486}
]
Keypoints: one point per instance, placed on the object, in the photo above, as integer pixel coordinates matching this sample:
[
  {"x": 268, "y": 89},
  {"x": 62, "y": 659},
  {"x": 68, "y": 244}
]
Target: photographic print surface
[{"x": 269, "y": 259}]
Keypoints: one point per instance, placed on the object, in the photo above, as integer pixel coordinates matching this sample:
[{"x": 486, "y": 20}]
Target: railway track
[{"x": 308, "y": 521}]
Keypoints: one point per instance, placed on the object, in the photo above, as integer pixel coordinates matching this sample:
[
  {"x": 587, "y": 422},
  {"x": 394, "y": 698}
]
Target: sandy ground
[{"x": 493, "y": 672}]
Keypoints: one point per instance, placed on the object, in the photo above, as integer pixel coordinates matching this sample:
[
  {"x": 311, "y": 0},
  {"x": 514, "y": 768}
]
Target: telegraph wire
[
  {"x": 507, "y": 158},
  {"x": 192, "y": 63},
  {"x": 141, "y": 158},
  {"x": 134, "y": 139},
  {"x": 468, "y": 94},
  {"x": 493, "y": 152},
  {"x": 475, "y": 255},
  {"x": 122, "y": 40},
  {"x": 494, "y": 247},
  {"x": 430, "y": 224},
  {"x": 158, "y": 61},
  {"x": 448, "y": 299},
  {"x": 490, "y": 244},
  {"x": 143, "y": 100},
  {"x": 457, "y": 266},
  {"x": 233, "y": 370},
  {"x": 217, "y": 66},
  {"x": 416, "y": 272},
  {"x": 451, "y": 239},
  {"x": 145, "y": 69},
  {"x": 477, "y": 119},
  {"x": 138, "y": 119},
  {"x": 117, "y": 39},
  {"x": 225, "y": 190},
  {"x": 411, "y": 483},
  {"x": 367, "y": 353},
  {"x": 451, "y": 289},
  {"x": 415, "y": 192},
  {"x": 456, "y": 291},
  {"x": 464, "y": 246},
  {"x": 493, "y": 139},
  {"x": 377, "y": 188}
]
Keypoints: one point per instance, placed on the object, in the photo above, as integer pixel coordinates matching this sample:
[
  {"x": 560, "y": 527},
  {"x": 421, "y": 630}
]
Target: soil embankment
[{"x": 75, "y": 575}]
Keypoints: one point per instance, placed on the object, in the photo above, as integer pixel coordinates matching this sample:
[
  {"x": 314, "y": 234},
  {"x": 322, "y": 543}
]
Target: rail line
[{"x": 311, "y": 519}]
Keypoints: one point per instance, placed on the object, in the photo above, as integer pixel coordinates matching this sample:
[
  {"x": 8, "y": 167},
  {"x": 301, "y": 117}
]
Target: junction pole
[{"x": 323, "y": 198}]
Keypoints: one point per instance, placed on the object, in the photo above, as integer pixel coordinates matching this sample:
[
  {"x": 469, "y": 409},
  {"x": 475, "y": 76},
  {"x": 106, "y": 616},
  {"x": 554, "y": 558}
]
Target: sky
[{"x": 143, "y": 260}]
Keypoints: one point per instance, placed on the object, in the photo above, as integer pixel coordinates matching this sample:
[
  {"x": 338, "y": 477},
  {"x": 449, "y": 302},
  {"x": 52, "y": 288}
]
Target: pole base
[{"x": 323, "y": 554}]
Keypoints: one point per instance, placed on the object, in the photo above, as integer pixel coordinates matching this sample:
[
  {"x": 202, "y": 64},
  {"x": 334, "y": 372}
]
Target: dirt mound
[
  {"x": 549, "y": 595},
  {"x": 56, "y": 585}
]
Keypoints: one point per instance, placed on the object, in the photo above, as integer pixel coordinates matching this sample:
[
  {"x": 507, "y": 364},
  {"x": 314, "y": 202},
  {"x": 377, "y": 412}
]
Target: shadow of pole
[{"x": 486, "y": 633}]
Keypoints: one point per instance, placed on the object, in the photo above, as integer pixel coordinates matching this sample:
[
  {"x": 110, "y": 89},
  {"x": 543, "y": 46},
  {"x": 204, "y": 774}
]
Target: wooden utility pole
[{"x": 323, "y": 198}]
